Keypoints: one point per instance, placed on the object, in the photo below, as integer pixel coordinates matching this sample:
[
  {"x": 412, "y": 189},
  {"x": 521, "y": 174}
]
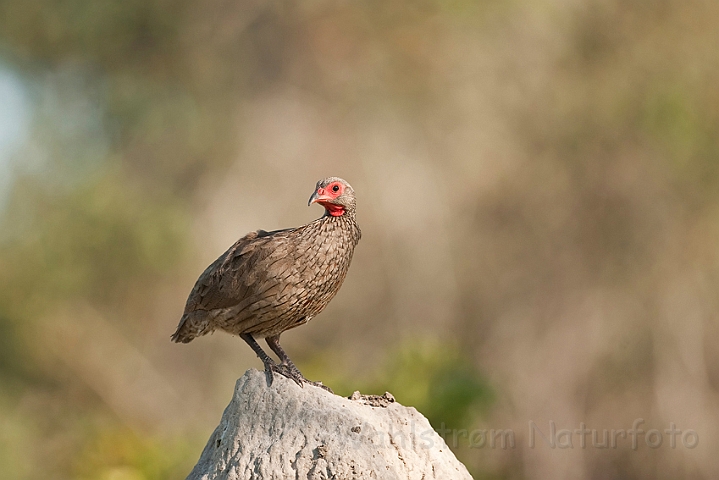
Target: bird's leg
[
  {"x": 270, "y": 365},
  {"x": 286, "y": 367},
  {"x": 274, "y": 343}
]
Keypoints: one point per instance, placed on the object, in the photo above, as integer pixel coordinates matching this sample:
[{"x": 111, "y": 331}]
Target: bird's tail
[{"x": 183, "y": 334}]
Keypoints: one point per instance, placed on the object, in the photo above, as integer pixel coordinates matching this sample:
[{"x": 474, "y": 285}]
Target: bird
[{"x": 269, "y": 282}]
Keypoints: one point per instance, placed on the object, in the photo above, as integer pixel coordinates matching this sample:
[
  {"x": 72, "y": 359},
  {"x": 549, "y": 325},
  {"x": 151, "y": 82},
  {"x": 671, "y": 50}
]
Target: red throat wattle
[{"x": 332, "y": 209}]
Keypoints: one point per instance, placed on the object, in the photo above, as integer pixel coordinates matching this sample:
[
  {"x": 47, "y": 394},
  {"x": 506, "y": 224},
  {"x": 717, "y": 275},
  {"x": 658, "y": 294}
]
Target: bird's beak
[
  {"x": 313, "y": 199},
  {"x": 318, "y": 196}
]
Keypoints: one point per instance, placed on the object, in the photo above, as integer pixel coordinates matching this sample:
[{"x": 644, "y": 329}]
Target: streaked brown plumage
[{"x": 269, "y": 282}]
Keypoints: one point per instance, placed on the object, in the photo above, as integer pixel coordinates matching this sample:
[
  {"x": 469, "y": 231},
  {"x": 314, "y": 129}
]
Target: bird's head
[{"x": 336, "y": 195}]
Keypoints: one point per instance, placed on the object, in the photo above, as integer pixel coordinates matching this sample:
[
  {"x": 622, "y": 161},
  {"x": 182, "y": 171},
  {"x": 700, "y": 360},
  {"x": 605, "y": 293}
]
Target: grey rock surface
[{"x": 285, "y": 431}]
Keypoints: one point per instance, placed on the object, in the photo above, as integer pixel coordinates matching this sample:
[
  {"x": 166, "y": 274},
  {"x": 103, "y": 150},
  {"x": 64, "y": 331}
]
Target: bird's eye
[{"x": 335, "y": 188}]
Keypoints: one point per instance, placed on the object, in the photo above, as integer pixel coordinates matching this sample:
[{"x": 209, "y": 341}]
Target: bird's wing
[{"x": 254, "y": 268}]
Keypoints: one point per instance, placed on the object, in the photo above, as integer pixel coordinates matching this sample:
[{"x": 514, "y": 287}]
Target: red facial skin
[{"x": 325, "y": 197}]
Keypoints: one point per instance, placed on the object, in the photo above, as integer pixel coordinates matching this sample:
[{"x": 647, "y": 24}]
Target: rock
[{"x": 285, "y": 431}]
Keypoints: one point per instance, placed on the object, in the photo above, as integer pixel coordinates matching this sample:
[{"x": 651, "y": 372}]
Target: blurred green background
[{"x": 538, "y": 189}]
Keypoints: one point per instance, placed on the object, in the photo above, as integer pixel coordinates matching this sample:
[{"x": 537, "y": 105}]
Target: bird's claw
[
  {"x": 293, "y": 374},
  {"x": 285, "y": 371},
  {"x": 310, "y": 382}
]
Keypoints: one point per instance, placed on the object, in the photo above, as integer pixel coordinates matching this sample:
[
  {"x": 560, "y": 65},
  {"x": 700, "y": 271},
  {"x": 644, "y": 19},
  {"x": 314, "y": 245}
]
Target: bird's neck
[{"x": 346, "y": 222}]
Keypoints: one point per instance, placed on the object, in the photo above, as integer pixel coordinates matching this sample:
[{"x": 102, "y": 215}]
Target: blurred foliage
[
  {"x": 433, "y": 376},
  {"x": 538, "y": 186},
  {"x": 90, "y": 240},
  {"x": 120, "y": 454},
  {"x": 439, "y": 381}
]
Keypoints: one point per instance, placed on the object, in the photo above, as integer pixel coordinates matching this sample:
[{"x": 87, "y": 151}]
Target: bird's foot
[
  {"x": 297, "y": 372},
  {"x": 293, "y": 374},
  {"x": 285, "y": 371}
]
